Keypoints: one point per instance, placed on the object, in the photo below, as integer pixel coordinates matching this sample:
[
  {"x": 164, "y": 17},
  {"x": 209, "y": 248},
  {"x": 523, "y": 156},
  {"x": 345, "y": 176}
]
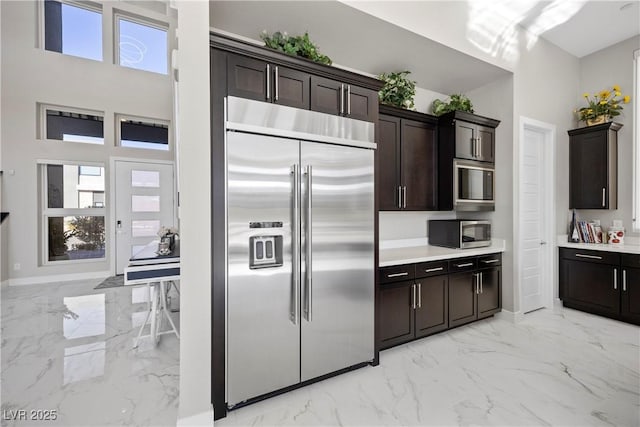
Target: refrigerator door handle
[
  {"x": 309, "y": 243},
  {"x": 295, "y": 244}
]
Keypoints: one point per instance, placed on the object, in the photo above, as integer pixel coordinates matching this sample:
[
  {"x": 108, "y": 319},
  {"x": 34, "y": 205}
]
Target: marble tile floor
[
  {"x": 67, "y": 347},
  {"x": 555, "y": 368}
]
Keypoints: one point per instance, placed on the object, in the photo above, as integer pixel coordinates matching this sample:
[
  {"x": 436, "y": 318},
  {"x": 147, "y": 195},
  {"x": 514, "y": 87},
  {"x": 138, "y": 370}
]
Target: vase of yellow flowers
[{"x": 602, "y": 106}]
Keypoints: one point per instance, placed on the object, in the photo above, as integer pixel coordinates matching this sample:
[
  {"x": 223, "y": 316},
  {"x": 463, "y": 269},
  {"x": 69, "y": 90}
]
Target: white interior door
[
  {"x": 535, "y": 224},
  {"x": 144, "y": 195}
]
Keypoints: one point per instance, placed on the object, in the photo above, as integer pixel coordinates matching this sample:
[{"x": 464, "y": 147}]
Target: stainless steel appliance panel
[
  {"x": 263, "y": 293},
  {"x": 474, "y": 185},
  {"x": 338, "y": 290}
]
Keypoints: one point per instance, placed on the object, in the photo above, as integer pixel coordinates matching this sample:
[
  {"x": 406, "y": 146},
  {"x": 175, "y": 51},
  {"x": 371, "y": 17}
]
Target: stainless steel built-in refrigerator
[{"x": 300, "y": 240}]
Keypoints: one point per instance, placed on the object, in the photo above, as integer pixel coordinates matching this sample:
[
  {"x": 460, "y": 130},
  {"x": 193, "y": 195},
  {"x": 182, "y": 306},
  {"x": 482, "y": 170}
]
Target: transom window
[
  {"x": 142, "y": 45},
  {"x": 73, "y": 125},
  {"x": 73, "y": 29},
  {"x": 142, "y": 133}
]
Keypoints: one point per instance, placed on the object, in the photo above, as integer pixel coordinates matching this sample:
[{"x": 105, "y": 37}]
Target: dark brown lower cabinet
[
  {"x": 396, "y": 315},
  {"x": 431, "y": 314},
  {"x": 432, "y": 300},
  {"x": 600, "y": 282}
]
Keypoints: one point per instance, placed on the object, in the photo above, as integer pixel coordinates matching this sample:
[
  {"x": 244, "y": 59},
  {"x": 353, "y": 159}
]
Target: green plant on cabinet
[
  {"x": 398, "y": 89},
  {"x": 295, "y": 46},
  {"x": 457, "y": 102}
]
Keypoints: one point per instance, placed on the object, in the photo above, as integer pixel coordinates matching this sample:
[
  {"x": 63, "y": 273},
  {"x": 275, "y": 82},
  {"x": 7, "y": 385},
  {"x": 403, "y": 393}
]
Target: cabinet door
[
  {"x": 465, "y": 140},
  {"x": 432, "y": 311},
  {"x": 361, "y": 103},
  {"x": 486, "y": 146},
  {"x": 419, "y": 166},
  {"x": 396, "y": 314},
  {"x": 462, "y": 298},
  {"x": 591, "y": 286},
  {"x": 388, "y": 163},
  {"x": 490, "y": 296},
  {"x": 630, "y": 309},
  {"x": 326, "y": 96},
  {"x": 247, "y": 78},
  {"x": 291, "y": 87},
  {"x": 588, "y": 171}
]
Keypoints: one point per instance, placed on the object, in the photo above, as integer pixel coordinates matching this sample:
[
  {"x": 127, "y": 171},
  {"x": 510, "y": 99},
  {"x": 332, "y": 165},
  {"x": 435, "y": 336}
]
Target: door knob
[{"x": 542, "y": 242}]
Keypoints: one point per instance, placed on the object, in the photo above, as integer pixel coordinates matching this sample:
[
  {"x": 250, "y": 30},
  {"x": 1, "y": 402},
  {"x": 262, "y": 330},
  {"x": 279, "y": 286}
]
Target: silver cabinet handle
[
  {"x": 615, "y": 278},
  {"x": 480, "y": 147},
  {"x": 588, "y": 256},
  {"x": 431, "y": 270},
  {"x": 624, "y": 280},
  {"x": 413, "y": 296},
  {"x": 419, "y": 295},
  {"x": 397, "y": 274},
  {"x": 309, "y": 259},
  {"x": 341, "y": 98},
  {"x": 295, "y": 245},
  {"x": 268, "y": 82},
  {"x": 490, "y": 261},
  {"x": 467, "y": 264},
  {"x": 477, "y": 280},
  {"x": 404, "y": 197},
  {"x": 604, "y": 196},
  {"x": 399, "y": 197},
  {"x": 277, "y": 92},
  {"x": 348, "y": 99},
  {"x": 481, "y": 282}
]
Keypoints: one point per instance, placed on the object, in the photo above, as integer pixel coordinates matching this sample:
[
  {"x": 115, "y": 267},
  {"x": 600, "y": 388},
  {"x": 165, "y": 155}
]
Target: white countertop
[
  {"x": 631, "y": 245},
  {"x": 398, "y": 254}
]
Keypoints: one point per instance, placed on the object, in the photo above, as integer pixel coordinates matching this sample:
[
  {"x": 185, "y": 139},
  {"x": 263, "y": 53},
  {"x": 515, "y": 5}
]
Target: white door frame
[
  {"x": 549, "y": 193},
  {"x": 112, "y": 199}
]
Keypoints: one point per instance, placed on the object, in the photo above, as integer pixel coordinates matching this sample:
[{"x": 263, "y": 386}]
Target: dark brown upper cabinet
[
  {"x": 593, "y": 167},
  {"x": 408, "y": 160},
  {"x": 462, "y": 135},
  {"x": 341, "y": 99},
  {"x": 262, "y": 81}
]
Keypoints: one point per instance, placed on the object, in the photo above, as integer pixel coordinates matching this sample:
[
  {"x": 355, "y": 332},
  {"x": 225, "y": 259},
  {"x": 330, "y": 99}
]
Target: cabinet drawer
[
  {"x": 397, "y": 273},
  {"x": 492, "y": 260},
  {"x": 462, "y": 264},
  {"x": 433, "y": 268},
  {"x": 630, "y": 260},
  {"x": 599, "y": 257}
]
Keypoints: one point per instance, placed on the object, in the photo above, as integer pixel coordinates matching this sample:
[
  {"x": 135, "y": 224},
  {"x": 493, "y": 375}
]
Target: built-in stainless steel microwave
[
  {"x": 473, "y": 185},
  {"x": 459, "y": 233}
]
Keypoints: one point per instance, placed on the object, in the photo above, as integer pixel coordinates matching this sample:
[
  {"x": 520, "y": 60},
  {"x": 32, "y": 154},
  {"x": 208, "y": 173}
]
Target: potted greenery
[
  {"x": 457, "y": 102},
  {"x": 294, "y": 46},
  {"x": 604, "y": 105},
  {"x": 398, "y": 90}
]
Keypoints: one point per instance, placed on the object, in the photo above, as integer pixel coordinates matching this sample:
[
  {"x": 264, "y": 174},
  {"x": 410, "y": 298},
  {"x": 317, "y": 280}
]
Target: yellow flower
[
  {"x": 586, "y": 95},
  {"x": 626, "y": 99},
  {"x": 618, "y": 93},
  {"x": 604, "y": 94},
  {"x": 603, "y": 102},
  {"x": 616, "y": 88}
]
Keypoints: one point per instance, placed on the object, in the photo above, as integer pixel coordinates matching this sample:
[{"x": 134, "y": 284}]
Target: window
[
  {"x": 142, "y": 45},
  {"x": 72, "y": 126},
  {"x": 636, "y": 140},
  {"x": 73, "y": 213},
  {"x": 134, "y": 133},
  {"x": 73, "y": 29}
]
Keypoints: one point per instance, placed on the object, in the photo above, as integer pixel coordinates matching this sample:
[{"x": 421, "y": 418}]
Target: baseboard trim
[
  {"x": 201, "y": 419},
  {"x": 510, "y": 316},
  {"x": 38, "y": 280}
]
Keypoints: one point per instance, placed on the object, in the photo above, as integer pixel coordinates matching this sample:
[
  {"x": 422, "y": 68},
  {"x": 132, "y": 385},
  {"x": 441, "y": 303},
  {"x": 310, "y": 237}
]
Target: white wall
[
  {"x": 195, "y": 212},
  {"x": 31, "y": 75},
  {"x": 598, "y": 71}
]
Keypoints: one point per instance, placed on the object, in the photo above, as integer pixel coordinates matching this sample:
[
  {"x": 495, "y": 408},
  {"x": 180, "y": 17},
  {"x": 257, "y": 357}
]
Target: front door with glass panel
[{"x": 144, "y": 202}]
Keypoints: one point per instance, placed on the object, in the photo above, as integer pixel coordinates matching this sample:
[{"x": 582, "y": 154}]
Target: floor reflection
[{"x": 69, "y": 347}]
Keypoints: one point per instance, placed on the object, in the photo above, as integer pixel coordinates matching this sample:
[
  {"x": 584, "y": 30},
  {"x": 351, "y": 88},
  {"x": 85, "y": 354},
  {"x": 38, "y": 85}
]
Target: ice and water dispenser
[{"x": 265, "y": 250}]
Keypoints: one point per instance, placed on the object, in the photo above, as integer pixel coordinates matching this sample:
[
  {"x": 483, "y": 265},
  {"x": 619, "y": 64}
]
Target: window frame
[
  {"x": 118, "y": 131},
  {"x": 88, "y": 5},
  {"x": 636, "y": 142},
  {"x": 119, "y": 14},
  {"x": 46, "y": 212},
  {"x": 41, "y": 131}
]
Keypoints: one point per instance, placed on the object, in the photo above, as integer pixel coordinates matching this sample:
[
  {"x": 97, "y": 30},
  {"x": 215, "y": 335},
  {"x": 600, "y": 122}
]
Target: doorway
[
  {"x": 144, "y": 201},
  {"x": 536, "y": 216}
]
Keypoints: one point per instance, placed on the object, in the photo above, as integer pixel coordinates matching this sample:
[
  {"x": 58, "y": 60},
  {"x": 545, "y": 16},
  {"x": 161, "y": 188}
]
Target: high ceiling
[{"x": 379, "y": 36}]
